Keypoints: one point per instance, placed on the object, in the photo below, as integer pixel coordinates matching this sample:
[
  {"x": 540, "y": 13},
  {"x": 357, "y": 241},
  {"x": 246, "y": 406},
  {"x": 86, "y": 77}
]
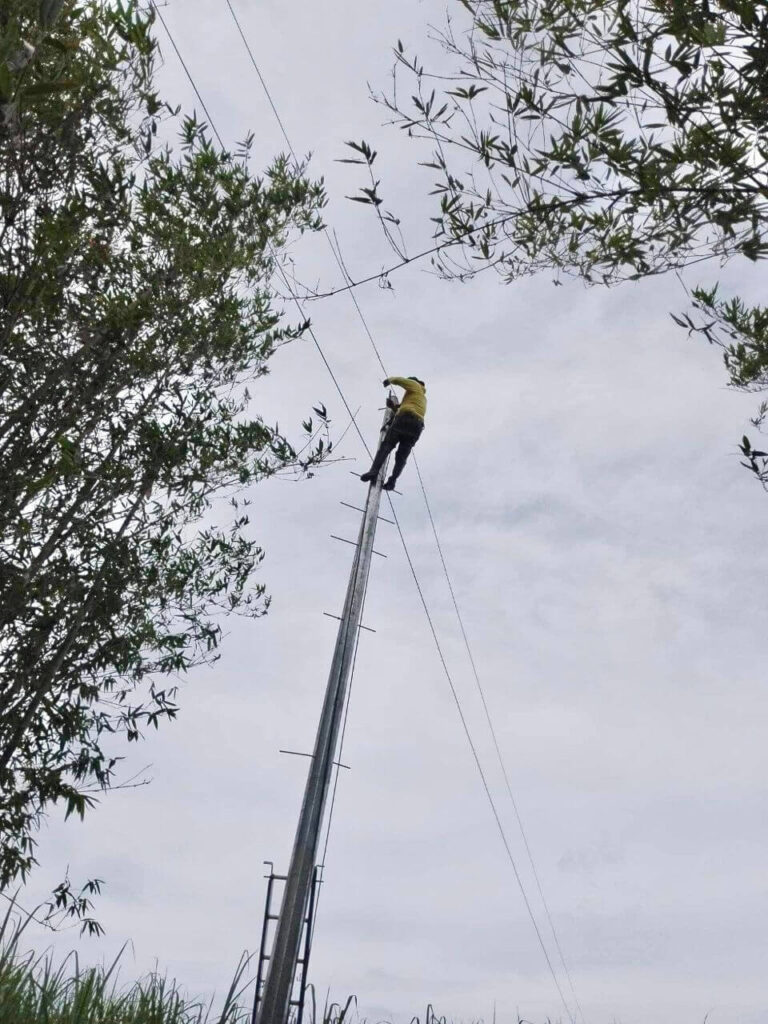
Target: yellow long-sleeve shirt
[{"x": 415, "y": 400}]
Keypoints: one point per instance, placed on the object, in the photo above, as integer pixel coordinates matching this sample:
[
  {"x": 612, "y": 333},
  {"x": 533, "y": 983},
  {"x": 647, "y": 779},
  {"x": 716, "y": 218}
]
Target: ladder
[{"x": 267, "y": 936}]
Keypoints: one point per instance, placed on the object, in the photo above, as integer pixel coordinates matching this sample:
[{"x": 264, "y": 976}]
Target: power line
[
  {"x": 286, "y": 282},
  {"x": 479, "y": 766},
  {"x": 340, "y": 264},
  {"x": 496, "y": 745},
  {"x": 158, "y": 12},
  {"x": 339, "y": 261},
  {"x": 279, "y": 269},
  {"x": 399, "y": 530},
  {"x": 261, "y": 79},
  {"x": 342, "y": 268},
  {"x": 353, "y": 422},
  {"x": 289, "y": 144}
]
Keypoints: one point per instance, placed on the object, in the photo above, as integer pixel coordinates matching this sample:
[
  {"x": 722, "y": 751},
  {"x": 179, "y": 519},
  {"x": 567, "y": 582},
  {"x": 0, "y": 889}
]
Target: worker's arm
[{"x": 409, "y": 386}]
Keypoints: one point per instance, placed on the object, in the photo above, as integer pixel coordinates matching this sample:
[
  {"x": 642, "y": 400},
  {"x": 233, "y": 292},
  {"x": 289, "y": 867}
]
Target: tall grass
[{"x": 34, "y": 990}]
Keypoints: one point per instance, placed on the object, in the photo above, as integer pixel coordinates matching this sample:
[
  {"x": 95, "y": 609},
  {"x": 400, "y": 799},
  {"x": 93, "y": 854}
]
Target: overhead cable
[
  {"x": 192, "y": 82},
  {"x": 292, "y": 151},
  {"x": 479, "y": 766},
  {"x": 497, "y": 747},
  {"x": 454, "y": 693},
  {"x": 340, "y": 264}
]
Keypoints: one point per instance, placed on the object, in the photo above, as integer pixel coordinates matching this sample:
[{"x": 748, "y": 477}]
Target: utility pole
[{"x": 276, "y": 999}]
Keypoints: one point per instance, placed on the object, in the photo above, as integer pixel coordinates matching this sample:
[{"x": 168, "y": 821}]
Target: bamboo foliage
[{"x": 135, "y": 309}]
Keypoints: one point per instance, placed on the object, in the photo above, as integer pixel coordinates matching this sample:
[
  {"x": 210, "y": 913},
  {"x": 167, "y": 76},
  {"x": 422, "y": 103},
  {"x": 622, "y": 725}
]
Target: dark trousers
[{"x": 404, "y": 431}]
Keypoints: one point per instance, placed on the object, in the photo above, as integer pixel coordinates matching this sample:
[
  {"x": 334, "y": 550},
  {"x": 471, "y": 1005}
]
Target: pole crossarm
[{"x": 276, "y": 1000}]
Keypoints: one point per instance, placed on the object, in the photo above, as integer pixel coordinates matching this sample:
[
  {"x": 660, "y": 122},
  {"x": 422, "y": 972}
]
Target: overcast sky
[{"x": 608, "y": 554}]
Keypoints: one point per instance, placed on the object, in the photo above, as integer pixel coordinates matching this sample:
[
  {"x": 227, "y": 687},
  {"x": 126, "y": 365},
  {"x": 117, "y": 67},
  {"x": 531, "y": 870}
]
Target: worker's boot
[
  {"x": 367, "y": 477},
  {"x": 390, "y": 484}
]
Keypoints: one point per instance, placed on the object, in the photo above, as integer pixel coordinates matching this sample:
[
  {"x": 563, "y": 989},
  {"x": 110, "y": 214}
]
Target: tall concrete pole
[{"x": 276, "y": 998}]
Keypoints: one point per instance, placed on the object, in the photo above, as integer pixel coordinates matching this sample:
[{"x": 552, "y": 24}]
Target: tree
[
  {"x": 136, "y": 308},
  {"x": 611, "y": 139}
]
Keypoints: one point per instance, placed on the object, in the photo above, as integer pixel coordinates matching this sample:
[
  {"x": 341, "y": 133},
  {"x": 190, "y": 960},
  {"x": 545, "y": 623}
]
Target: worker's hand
[{"x": 386, "y": 383}]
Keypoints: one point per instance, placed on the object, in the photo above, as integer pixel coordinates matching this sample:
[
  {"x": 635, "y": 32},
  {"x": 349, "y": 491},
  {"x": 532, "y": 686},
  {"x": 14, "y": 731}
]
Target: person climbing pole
[{"x": 404, "y": 430}]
